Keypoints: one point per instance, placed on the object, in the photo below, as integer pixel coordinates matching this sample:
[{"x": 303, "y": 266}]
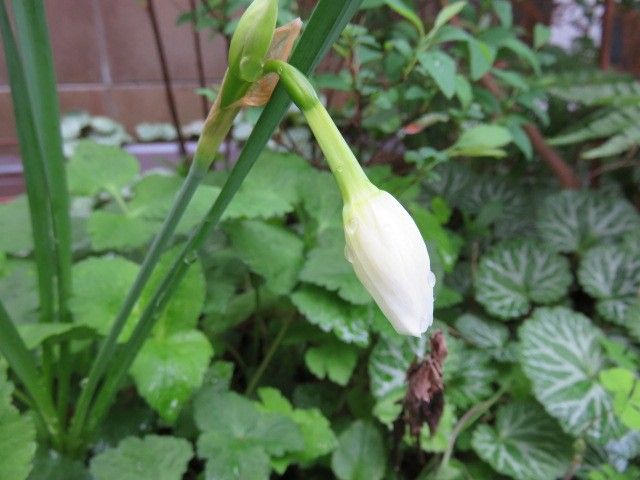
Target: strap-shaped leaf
[
  {"x": 525, "y": 443},
  {"x": 612, "y": 276},
  {"x": 562, "y": 355},
  {"x": 514, "y": 275},
  {"x": 575, "y": 221}
]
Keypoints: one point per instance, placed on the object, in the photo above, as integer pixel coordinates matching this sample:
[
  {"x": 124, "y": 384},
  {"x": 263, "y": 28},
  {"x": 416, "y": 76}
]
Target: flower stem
[
  {"x": 347, "y": 171},
  {"x": 466, "y": 420},
  {"x": 218, "y": 124},
  {"x": 323, "y": 28}
]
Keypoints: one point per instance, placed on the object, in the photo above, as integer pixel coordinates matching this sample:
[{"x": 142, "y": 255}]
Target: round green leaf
[
  {"x": 19, "y": 287},
  {"x": 239, "y": 442},
  {"x": 94, "y": 168},
  {"x": 360, "y": 454},
  {"x": 186, "y": 304},
  {"x": 151, "y": 458},
  {"x": 326, "y": 266},
  {"x": 562, "y": 356},
  {"x": 316, "y": 430},
  {"x": 51, "y": 465},
  {"x": 270, "y": 189},
  {"x": 114, "y": 231},
  {"x": 575, "y": 221},
  {"x": 525, "y": 443},
  {"x": 271, "y": 251},
  {"x": 331, "y": 313},
  {"x": 100, "y": 285},
  {"x": 169, "y": 369},
  {"x": 333, "y": 359},
  {"x": 516, "y": 274},
  {"x": 16, "y": 235},
  {"x": 612, "y": 276}
]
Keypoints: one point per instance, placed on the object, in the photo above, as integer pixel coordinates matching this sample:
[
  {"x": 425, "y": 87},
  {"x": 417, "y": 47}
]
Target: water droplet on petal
[{"x": 431, "y": 279}]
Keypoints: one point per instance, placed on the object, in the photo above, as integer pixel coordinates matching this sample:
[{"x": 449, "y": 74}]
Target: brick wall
[{"x": 106, "y": 62}]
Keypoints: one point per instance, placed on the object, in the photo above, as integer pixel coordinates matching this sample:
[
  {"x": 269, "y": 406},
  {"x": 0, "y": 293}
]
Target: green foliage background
[{"x": 271, "y": 359}]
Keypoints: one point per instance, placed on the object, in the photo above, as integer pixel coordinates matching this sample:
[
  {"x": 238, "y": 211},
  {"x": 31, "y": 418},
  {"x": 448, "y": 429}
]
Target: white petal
[{"x": 390, "y": 258}]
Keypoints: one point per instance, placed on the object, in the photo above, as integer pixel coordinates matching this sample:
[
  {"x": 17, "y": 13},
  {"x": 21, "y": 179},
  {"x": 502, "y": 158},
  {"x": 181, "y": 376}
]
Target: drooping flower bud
[
  {"x": 383, "y": 242},
  {"x": 390, "y": 258}
]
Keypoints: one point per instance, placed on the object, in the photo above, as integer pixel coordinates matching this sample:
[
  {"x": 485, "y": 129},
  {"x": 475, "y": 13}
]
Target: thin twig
[
  {"x": 197, "y": 45},
  {"x": 604, "y": 57},
  {"x": 165, "y": 76},
  {"x": 565, "y": 174},
  {"x": 269, "y": 355},
  {"x": 467, "y": 419},
  {"x": 609, "y": 167}
]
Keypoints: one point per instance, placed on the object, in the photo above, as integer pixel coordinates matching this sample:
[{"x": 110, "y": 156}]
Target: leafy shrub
[{"x": 272, "y": 359}]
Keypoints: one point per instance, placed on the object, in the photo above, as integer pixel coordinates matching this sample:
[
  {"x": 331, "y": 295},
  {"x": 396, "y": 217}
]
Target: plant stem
[
  {"x": 269, "y": 355},
  {"x": 467, "y": 419},
  {"x": 348, "y": 173},
  {"x": 326, "y": 23},
  {"x": 216, "y": 128},
  {"x": 21, "y": 362}
]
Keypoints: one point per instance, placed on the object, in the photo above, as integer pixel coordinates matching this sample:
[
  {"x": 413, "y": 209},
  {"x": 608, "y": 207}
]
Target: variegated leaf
[
  {"x": 516, "y": 274},
  {"x": 612, "y": 276},
  {"x": 525, "y": 443},
  {"x": 575, "y": 221},
  {"x": 562, "y": 355},
  {"x": 487, "y": 335}
]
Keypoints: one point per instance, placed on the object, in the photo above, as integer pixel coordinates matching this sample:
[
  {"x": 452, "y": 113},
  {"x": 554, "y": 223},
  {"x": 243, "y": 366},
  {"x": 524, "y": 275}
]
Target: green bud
[
  {"x": 248, "y": 49},
  {"x": 252, "y": 39}
]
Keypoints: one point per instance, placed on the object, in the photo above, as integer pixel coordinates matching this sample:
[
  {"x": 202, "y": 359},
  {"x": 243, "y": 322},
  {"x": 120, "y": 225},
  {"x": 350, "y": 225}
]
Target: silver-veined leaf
[
  {"x": 562, "y": 356},
  {"x": 468, "y": 374},
  {"x": 514, "y": 275},
  {"x": 575, "y": 221},
  {"x": 486, "y": 335},
  {"x": 525, "y": 443},
  {"x": 612, "y": 276}
]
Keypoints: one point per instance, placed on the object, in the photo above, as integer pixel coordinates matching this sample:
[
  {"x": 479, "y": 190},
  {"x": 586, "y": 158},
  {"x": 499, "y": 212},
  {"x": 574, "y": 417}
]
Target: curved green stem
[
  {"x": 273, "y": 348},
  {"x": 466, "y": 420},
  {"x": 348, "y": 173}
]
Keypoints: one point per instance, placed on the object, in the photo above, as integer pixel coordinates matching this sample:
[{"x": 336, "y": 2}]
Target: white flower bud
[{"x": 391, "y": 260}]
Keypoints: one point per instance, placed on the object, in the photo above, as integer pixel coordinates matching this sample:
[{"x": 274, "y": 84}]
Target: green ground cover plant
[{"x": 204, "y": 322}]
